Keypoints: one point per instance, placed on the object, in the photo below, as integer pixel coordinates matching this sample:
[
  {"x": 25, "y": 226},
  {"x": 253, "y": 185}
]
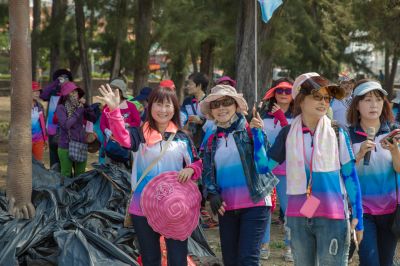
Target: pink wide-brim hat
[{"x": 171, "y": 208}]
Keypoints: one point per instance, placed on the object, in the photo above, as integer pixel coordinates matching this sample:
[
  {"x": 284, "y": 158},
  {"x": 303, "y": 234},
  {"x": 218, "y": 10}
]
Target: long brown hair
[
  {"x": 158, "y": 96},
  {"x": 353, "y": 115},
  {"x": 296, "y": 103}
]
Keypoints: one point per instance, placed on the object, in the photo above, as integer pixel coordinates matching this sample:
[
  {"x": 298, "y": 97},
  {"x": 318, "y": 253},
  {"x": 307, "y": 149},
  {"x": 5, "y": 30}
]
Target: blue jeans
[
  {"x": 379, "y": 243},
  {"x": 149, "y": 245},
  {"x": 319, "y": 241},
  {"x": 267, "y": 235},
  {"x": 283, "y": 201},
  {"x": 241, "y": 232}
]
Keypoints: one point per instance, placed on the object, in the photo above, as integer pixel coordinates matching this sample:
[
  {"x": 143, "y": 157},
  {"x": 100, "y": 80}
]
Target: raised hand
[
  {"x": 109, "y": 97},
  {"x": 256, "y": 121},
  {"x": 275, "y": 108}
]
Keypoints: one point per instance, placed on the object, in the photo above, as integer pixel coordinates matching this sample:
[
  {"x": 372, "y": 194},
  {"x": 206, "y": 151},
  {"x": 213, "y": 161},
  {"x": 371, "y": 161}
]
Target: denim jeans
[
  {"x": 319, "y": 241},
  {"x": 149, "y": 245},
  {"x": 379, "y": 243},
  {"x": 283, "y": 201},
  {"x": 241, "y": 232},
  {"x": 267, "y": 235}
]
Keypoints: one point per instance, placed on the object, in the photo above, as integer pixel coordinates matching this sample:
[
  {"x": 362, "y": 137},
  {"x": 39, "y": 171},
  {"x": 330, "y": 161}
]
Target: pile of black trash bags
[{"x": 78, "y": 223}]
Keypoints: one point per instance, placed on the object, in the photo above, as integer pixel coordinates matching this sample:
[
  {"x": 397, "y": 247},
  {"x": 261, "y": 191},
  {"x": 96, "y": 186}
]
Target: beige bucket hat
[{"x": 218, "y": 92}]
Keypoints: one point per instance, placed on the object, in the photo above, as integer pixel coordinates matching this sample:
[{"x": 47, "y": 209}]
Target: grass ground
[{"x": 276, "y": 245}]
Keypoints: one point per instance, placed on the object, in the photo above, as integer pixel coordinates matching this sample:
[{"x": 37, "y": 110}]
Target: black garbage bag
[{"x": 79, "y": 223}]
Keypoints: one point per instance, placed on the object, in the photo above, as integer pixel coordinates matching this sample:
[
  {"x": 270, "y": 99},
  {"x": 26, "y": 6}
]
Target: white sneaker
[
  {"x": 288, "y": 256},
  {"x": 264, "y": 254}
]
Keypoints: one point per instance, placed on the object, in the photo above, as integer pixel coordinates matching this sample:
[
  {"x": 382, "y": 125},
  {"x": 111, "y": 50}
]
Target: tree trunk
[
  {"x": 387, "y": 66},
  {"x": 265, "y": 62},
  {"x": 19, "y": 170},
  {"x": 80, "y": 32},
  {"x": 245, "y": 51},
  {"x": 120, "y": 37},
  {"x": 393, "y": 70},
  {"x": 57, "y": 23},
  {"x": 143, "y": 20},
  {"x": 207, "y": 58},
  {"x": 193, "y": 57},
  {"x": 35, "y": 36},
  {"x": 178, "y": 73}
]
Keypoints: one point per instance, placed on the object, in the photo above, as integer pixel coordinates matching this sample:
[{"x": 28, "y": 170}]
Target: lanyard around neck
[{"x": 310, "y": 164}]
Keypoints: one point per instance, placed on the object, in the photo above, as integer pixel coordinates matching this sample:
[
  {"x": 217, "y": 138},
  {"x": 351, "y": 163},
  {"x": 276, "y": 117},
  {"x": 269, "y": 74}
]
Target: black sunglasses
[
  {"x": 225, "y": 102},
  {"x": 283, "y": 91}
]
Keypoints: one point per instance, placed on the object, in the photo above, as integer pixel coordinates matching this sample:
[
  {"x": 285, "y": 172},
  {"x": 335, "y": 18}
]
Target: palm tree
[{"x": 19, "y": 171}]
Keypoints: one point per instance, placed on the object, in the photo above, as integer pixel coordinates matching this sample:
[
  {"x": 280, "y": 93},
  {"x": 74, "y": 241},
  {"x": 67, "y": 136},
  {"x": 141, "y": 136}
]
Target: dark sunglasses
[
  {"x": 225, "y": 102},
  {"x": 319, "y": 97},
  {"x": 283, "y": 91}
]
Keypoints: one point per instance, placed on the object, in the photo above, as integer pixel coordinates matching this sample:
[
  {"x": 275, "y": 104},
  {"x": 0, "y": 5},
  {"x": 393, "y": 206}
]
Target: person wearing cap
[
  {"x": 370, "y": 112},
  {"x": 141, "y": 101},
  {"x": 51, "y": 94},
  {"x": 39, "y": 135},
  {"x": 168, "y": 84},
  {"x": 129, "y": 113},
  {"x": 276, "y": 114},
  {"x": 71, "y": 112},
  {"x": 239, "y": 196},
  {"x": 226, "y": 80},
  {"x": 147, "y": 142},
  {"x": 340, "y": 107},
  {"x": 320, "y": 173}
]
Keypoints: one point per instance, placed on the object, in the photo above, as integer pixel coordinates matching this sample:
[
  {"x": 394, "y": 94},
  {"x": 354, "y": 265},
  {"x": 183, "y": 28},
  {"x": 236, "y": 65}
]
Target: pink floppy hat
[{"x": 171, "y": 208}]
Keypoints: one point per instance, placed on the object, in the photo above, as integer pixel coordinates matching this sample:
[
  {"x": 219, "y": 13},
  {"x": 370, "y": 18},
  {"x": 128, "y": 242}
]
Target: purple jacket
[{"x": 75, "y": 125}]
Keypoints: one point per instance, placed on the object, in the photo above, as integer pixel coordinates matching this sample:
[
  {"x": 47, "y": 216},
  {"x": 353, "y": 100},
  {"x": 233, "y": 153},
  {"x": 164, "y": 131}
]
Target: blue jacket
[{"x": 259, "y": 185}]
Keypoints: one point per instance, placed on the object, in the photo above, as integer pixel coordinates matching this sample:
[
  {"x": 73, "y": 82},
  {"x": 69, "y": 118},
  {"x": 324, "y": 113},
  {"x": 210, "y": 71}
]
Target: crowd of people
[{"x": 328, "y": 153}]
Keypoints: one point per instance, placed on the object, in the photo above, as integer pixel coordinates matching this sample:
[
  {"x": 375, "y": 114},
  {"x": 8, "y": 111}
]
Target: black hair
[
  {"x": 62, "y": 71},
  {"x": 199, "y": 79}
]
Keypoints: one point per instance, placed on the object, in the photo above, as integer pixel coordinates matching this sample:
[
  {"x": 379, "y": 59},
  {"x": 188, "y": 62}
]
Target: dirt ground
[{"x": 276, "y": 244}]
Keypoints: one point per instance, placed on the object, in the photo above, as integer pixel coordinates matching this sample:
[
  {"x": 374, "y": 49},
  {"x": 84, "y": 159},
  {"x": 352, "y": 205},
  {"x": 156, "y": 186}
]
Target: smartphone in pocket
[{"x": 310, "y": 206}]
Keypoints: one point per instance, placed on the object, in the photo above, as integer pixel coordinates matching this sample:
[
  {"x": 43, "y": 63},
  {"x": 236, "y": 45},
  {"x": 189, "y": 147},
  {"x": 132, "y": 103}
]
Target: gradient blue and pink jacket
[
  {"x": 181, "y": 153},
  {"x": 378, "y": 179},
  {"x": 272, "y": 127},
  {"x": 331, "y": 188},
  {"x": 38, "y": 123},
  {"x": 229, "y": 168}
]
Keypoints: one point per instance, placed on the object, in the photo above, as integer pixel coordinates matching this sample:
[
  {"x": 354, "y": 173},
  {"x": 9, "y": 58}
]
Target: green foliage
[{"x": 310, "y": 36}]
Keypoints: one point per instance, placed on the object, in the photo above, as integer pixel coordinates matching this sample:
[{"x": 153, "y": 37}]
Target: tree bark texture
[
  {"x": 120, "y": 37},
  {"x": 57, "y": 31},
  {"x": 143, "y": 20},
  {"x": 245, "y": 51},
  {"x": 393, "y": 70},
  {"x": 35, "y": 36},
  {"x": 19, "y": 170},
  {"x": 178, "y": 73},
  {"x": 207, "y": 58},
  {"x": 83, "y": 49},
  {"x": 193, "y": 58}
]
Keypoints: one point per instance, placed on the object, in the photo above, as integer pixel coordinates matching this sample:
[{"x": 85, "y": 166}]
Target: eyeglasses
[
  {"x": 225, "y": 102},
  {"x": 283, "y": 91},
  {"x": 318, "y": 97}
]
